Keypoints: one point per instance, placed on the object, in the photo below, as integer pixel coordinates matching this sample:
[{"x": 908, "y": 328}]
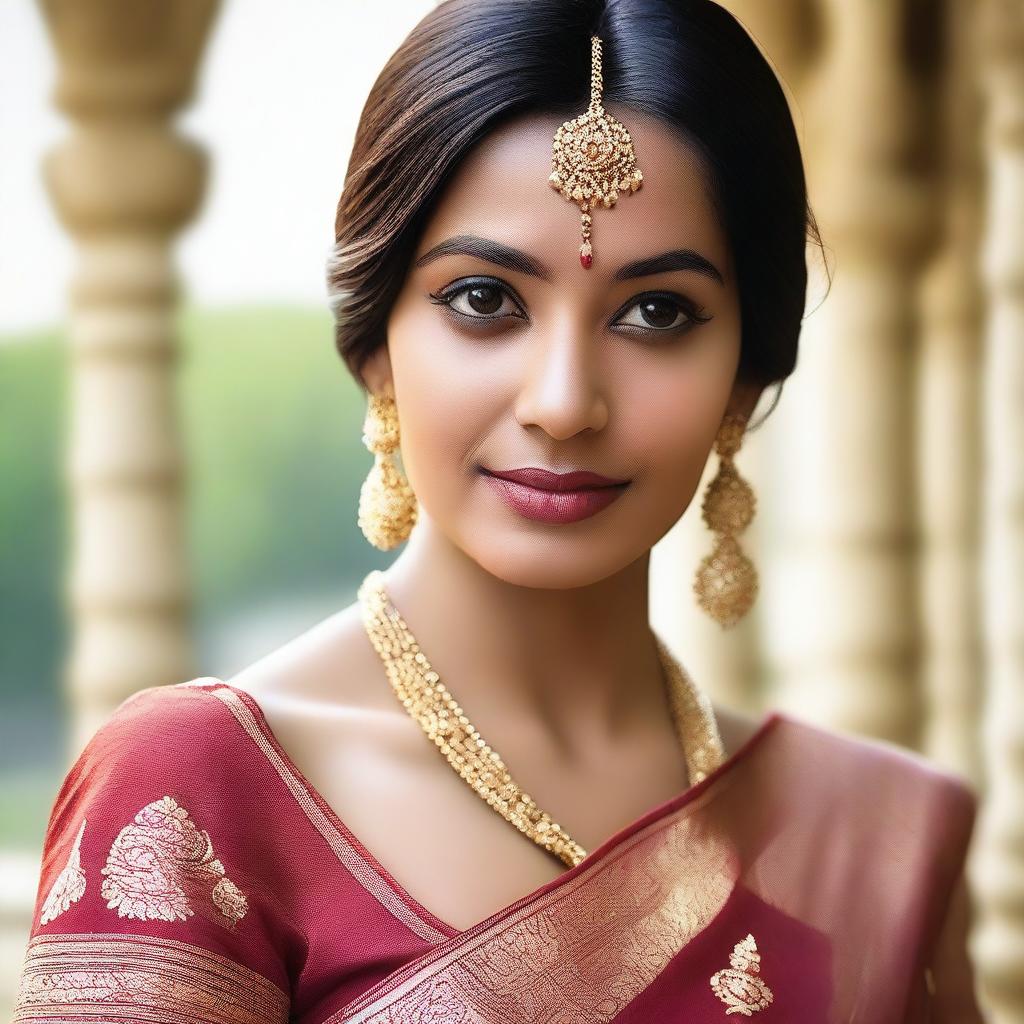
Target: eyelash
[{"x": 445, "y": 297}]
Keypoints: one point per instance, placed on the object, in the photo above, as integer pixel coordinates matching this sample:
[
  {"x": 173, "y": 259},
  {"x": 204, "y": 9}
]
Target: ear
[
  {"x": 376, "y": 371},
  {"x": 744, "y": 398}
]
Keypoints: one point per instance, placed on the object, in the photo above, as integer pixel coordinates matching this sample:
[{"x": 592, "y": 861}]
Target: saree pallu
[{"x": 191, "y": 873}]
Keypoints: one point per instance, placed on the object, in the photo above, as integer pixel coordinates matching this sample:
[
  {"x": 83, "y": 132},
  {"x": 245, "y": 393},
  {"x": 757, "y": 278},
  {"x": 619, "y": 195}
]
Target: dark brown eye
[
  {"x": 480, "y": 301},
  {"x": 662, "y": 313},
  {"x": 659, "y": 312},
  {"x": 484, "y": 298}
]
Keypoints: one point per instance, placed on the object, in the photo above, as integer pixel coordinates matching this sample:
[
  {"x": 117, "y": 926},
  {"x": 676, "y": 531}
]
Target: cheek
[
  {"x": 675, "y": 424},
  {"x": 448, "y": 400}
]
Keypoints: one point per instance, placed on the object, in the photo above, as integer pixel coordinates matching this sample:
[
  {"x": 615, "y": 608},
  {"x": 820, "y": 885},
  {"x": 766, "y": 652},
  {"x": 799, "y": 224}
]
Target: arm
[
  {"x": 149, "y": 904},
  {"x": 951, "y": 974}
]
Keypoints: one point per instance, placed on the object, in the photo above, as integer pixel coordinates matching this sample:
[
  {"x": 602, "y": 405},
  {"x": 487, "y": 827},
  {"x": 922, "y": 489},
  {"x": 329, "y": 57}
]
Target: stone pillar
[
  {"x": 999, "y": 866},
  {"x": 948, "y": 428},
  {"x": 124, "y": 183},
  {"x": 846, "y": 642}
]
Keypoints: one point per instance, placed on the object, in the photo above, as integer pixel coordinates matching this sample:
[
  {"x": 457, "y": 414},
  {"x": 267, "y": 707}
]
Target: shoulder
[
  {"x": 305, "y": 670},
  {"x": 876, "y": 783},
  {"x": 873, "y": 755},
  {"x": 162, "y": 711},
  {"x": 183, "y": 746},
  {"x": 160, "y": 742},
  {"x": 217, "y": 722},
  {"x": 164, "y": 727}
]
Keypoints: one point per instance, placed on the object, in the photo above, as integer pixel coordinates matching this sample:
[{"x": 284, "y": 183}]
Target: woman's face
[{"x": 534, "y": 361}]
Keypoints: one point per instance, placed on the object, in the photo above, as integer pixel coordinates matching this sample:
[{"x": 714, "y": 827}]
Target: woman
[{"x": 287, "y": 844}]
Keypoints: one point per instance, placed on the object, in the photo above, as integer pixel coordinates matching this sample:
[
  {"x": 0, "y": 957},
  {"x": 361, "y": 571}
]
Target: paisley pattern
[
  {"x": 738, "y": 986},
  {"x": 162, "y": 867},
  {"x": 69, "y": 886}
]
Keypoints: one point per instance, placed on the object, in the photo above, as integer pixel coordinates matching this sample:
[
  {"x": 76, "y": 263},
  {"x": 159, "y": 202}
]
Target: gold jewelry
[
  {"x": 387, "y": 505},
  {"x": 592, "y": 157},
  {"x": 429, "y": 702},
  {"x": 726, "y": 580}
]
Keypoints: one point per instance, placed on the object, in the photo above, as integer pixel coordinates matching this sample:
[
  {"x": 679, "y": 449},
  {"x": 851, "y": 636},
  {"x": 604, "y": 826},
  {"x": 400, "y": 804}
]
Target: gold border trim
[
  {"x": 590, "y": 953},
  {"x": 356, "y": 864},
  {"x": 124, "y": 977}
]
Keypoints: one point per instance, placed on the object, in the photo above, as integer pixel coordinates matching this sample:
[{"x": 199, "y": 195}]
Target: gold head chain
[{"x": 592, "y": 158}]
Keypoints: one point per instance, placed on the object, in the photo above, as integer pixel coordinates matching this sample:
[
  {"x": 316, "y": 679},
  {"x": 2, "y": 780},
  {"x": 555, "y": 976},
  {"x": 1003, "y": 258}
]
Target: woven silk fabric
[{"x": 191, "y": 872}]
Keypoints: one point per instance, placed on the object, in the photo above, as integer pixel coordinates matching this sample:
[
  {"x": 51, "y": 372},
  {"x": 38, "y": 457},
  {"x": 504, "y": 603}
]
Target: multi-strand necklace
[{"x": 428, "y": 701}]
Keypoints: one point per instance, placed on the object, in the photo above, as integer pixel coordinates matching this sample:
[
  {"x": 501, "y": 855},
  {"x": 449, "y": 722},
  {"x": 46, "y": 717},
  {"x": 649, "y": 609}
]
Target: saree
[{"x": 190, "y": 872}]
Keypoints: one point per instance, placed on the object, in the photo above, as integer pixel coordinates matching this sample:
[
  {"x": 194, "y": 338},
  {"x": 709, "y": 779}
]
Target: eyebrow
[{"x": 515, "y": 259}]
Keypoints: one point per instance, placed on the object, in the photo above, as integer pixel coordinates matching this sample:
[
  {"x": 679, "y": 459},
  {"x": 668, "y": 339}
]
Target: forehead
[{"x": 501, "y": 191}]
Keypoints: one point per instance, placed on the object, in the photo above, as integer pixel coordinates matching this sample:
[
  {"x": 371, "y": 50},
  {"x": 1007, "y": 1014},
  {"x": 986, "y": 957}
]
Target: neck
[{"x": 575, "y": 663}]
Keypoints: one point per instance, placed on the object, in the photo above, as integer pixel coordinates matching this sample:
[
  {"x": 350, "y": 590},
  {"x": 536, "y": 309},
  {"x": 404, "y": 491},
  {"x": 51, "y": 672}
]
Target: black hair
[{"x": 471, "y": 65}]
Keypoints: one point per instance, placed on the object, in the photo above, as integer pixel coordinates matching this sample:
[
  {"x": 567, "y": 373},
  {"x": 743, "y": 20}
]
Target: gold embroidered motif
[
  {"x": 738, "y": 985},
  {"x": 162, "y": 868},
  {"x": 69, "y": 886},
  {"x": 131, "y": 978}
]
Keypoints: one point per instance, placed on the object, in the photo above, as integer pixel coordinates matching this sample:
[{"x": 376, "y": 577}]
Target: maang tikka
[
  {"x": 592, "y": 157},
  {"x": 726, "y": 580}
]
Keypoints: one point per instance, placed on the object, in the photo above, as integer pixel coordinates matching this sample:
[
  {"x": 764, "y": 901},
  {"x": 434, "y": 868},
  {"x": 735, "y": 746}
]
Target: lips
[
  {"x": 544, "y": 480},
  {"x": 547, "y": 497}
]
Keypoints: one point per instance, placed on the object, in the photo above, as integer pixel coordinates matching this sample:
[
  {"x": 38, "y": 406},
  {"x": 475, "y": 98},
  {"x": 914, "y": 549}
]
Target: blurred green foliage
[
  {"x": 271, "y": 423},
  {"x": 33, "y": 418}
]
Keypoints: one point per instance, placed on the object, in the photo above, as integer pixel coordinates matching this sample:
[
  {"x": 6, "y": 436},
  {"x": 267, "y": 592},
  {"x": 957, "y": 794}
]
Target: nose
[{"x": 562, "y": 392}]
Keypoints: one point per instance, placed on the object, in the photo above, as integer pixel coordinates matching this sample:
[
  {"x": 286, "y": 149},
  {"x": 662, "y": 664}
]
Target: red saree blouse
[{"x": 191, "y": 873}]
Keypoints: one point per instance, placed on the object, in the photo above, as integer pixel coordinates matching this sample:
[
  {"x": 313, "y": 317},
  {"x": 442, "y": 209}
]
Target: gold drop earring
[
  {"x": 726, "y": 580},
  {"x": 387, "y": 504}
]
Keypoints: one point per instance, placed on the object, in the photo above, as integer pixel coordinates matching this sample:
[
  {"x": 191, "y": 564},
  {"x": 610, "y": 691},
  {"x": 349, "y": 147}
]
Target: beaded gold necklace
[{"x": 429, "y": 702}]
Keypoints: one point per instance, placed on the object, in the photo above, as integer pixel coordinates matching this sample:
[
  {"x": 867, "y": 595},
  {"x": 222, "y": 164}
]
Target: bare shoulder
[
  {"x": 305, "y": 670},
  {"x": 327, "y": 700}
]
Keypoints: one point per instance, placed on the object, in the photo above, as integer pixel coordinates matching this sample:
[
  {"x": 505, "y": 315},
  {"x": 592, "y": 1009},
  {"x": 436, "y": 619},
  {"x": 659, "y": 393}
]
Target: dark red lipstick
[{"x": 548, "y": 497}]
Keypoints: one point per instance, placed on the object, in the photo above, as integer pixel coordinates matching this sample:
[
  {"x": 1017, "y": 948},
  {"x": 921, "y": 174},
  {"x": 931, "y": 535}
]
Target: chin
[{"x": 547, "y": 563}]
